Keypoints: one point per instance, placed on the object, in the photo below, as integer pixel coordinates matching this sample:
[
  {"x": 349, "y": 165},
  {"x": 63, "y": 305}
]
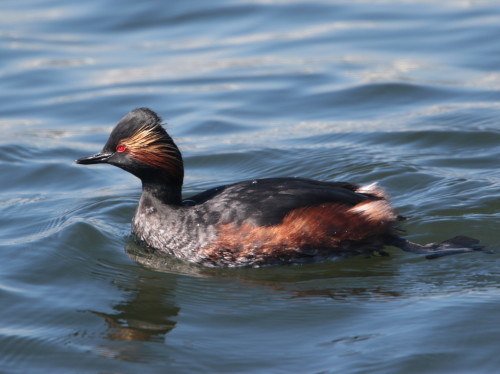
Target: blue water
[{"x": 406, "y": 93}]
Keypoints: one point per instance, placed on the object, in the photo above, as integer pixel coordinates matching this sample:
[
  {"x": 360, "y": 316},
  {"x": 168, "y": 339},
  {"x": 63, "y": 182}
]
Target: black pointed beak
[{"x": 98, "y": 158}]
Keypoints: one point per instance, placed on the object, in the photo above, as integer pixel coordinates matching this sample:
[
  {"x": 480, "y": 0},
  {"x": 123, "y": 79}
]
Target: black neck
[{"x": 166, "y": 193}]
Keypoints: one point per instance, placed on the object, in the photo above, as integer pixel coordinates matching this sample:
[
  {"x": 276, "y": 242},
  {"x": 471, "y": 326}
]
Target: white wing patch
[
  {"x": 375, "y": 210},
  {"x": 372, "y": 189},
  {"x": 378, "y": 210}
]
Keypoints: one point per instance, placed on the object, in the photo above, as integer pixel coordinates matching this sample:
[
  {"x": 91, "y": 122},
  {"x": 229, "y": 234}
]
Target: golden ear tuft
[
  {"x": 142, "y": 138},
  {"x": 155, "y": 149}
]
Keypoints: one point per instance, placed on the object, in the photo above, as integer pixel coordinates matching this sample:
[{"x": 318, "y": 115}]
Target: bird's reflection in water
[
  {"x": 146, "y": 313},
  {"x": 294, "y": 280},
  {"x": 149, "y": 311},
  {"x": 141, "y": 318}
]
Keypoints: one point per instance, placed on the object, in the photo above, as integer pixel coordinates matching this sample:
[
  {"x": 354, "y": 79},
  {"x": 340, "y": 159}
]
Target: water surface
[{"x": 405, "y": 93}]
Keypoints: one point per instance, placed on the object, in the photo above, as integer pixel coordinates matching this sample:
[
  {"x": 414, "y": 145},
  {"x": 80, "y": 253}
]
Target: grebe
[{"x": 251, "y": 223}]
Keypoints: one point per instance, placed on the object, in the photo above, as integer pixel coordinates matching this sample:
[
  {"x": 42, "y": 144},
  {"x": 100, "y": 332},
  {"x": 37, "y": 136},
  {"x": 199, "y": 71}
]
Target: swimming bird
[{"x": 255, "y": 222}]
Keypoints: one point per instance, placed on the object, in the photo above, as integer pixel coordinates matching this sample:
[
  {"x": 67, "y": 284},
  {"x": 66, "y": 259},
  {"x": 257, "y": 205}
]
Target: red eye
[{"x": 120, "y": 148}]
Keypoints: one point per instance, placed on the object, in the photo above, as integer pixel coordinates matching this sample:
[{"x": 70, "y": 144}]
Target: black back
[{"x": 267, "y": 201}]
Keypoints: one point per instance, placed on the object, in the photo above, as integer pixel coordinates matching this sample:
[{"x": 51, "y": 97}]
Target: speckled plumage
[
  {"x": 242, "y": 223},
  {"x": 250, "y": 223}
]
